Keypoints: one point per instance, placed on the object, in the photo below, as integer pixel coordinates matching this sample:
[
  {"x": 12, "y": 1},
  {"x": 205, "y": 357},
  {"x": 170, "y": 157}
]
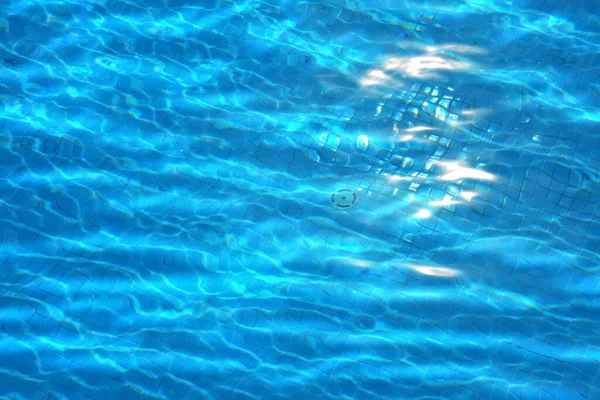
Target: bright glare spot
[
  {"x": 434, "y": 271},
  {"x": 468, "y": 195},
  {"x": 423, "y": 66},
  {"x": 361, "y": 263},
  {"x": 459, "y": 123},
  {"x": 398, "y": 178},
  {"x": 467, "y": 173},
  {"x": 377, "y": 74},
  {"x": 456, "y": 171},
  {"x": 369, "y": 82},
  {"x": 419, "y": 129},
  {"x": 406, "y": 138},
  {"x": 460, "y": 48},
  {"x": 479, "y": 112},
  {"x": 392, "y": 63},
  {"x": 422, "y": 214},
  {"x": 362, "y": 142},
  {"x": 374, "y": 77},
  {"x": 442, "y": 203},
  {"x": 434, "y": 58}
]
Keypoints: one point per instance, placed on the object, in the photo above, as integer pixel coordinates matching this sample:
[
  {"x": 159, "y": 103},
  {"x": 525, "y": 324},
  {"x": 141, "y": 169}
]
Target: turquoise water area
[{"x": 299, "y": 200}]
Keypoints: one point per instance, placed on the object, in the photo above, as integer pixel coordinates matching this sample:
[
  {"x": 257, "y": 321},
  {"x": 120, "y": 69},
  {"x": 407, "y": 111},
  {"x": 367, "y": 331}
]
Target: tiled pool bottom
[{"x": 173, "y": 213}]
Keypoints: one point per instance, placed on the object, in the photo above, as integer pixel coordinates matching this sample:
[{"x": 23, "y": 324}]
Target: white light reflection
[
  {"x": 424, "y": 66},
  {"x": 455, "y": 171},
  {"x": 434, "y": 271},
  {"x": 398, "y": 178},
  {"x": 374, "y": 77},
  {"x": 478, "y": 112},
  {"x": 468, "y": 195},
  {"x": 409, "y": 137},
  {"x": 419, "y": 129},
  {"x": 435, "y": 58},
  {"x": 422, "y": 214},
  {"x": 443, "y": 203},
  {"x": 361, "y": 263},
  {"x": 457, "y": 48}
]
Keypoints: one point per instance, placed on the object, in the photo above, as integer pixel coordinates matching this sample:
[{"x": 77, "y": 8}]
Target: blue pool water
[{"x": 299, "y": 200}]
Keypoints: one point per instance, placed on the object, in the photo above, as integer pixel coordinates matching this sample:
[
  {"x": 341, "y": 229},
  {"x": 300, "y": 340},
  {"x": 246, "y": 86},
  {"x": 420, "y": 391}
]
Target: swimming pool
[{"x": 297, "y": 200}]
